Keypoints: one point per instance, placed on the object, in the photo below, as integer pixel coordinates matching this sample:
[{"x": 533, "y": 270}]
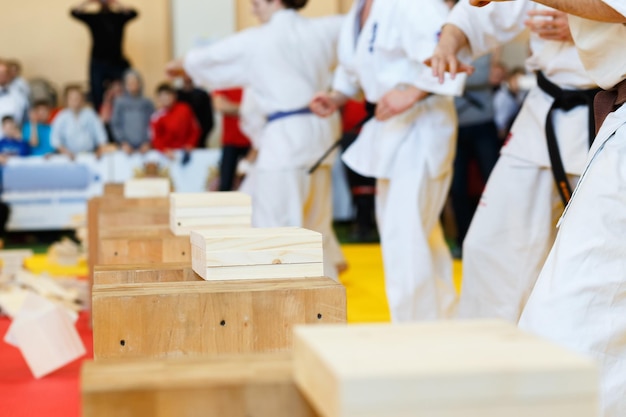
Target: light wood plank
[
  {"x": 451, "y": 369},
  {"x": 147, "y": 187}
]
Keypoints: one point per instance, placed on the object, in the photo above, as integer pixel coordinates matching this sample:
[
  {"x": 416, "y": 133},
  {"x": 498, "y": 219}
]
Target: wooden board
[
  {"x": 443, "y": 369},
  {"x": 259, "y": 385},
  {"x": 147, "y": 187},
  {"x": 148, "y": 249},
  {"x": 209, "y": 210},
  {"x": 257, "y": 253},
  {"x": 144, "y": 273},
  {"x": 159, "y": 320}
]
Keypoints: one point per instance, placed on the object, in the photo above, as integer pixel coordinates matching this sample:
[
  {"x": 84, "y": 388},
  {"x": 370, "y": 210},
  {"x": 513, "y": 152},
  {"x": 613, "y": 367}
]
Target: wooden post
[
  {"x": 152, "y": 319},
  {"x": 235, "y": 386}
]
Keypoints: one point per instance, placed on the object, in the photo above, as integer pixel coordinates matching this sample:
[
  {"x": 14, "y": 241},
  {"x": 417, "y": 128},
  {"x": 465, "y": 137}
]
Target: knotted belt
[
  {"x": 608, "y": 101},
  {"x": 370, "y": 109},
  {"x": 564, "y": 100}
]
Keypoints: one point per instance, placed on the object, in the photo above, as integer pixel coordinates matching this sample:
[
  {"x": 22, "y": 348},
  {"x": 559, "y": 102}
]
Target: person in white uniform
[
  {"x": 408, "y": 146},
  {"x": 515, "y": 225},
  {"x": 579, "y": 299},
  {"x": 283, "y": 62}
]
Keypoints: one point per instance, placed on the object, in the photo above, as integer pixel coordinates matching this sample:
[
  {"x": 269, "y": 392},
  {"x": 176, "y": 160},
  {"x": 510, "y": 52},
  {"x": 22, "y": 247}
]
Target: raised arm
[{"x": 610, "y": 11}]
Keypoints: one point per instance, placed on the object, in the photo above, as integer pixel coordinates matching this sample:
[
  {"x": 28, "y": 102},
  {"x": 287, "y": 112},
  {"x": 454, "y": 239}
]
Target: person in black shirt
[
  {"x": 107, "y": 34},
  {"x": 202, "y": 104}
]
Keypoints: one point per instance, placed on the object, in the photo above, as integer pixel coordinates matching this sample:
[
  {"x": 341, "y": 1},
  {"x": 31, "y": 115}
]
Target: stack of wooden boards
[
  {"x": 148, "y": 303},
  {"x": 210, "y": 336}
]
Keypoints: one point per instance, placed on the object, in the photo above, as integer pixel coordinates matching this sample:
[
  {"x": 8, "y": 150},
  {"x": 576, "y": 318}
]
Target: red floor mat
[{"x": 56, "y": 395}]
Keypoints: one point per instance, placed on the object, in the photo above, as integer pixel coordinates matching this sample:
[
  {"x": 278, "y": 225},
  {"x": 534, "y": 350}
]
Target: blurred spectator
[
  {"x": 235, "y": 145},
  {"x": 508, "y": 100},
  {"x": 477, "y": 141},
  {"x": 77, "y": 128},
  {"x": 17, "y": 81},
  {"x": 131, "y": 115},
  {"x": 173, "y": 125},
  {"x": 11, "y": 143},
  {"x": 114, "y": 89},
  {"x": 12, "y": 102},
  {"x": 37, "y": 131},
  {"x": 202, "y": 106},
  {"x": 107, "y": 35},
  {"x": 497, "y": 75}
]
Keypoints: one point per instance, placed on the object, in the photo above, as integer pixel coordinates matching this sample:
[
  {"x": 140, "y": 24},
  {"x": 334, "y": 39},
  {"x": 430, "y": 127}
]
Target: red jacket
[
  {"x": 174, "y": 128},
  {"x": 232, "y": 135}
]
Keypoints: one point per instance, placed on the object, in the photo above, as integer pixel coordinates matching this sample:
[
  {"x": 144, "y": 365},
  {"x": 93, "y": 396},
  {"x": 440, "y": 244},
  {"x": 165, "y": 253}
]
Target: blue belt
[{"x": 282, "y": 114}]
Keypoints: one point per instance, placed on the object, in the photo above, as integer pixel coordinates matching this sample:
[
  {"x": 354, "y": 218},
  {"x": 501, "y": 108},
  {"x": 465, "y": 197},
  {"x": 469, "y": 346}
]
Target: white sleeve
[
  {"x": 345, "y": 80},
  {"x": 618, "y": 5},
  {"x": 99, "y": 130},
  {"x": 55, "y": 131},
  {"x": 221, "y": 65},
  {"x": 490, "y": 26},
  {"x": 418, "y": 37}
]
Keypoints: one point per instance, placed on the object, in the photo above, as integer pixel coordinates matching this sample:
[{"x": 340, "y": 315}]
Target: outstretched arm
[{"x": 589, "y": 9}]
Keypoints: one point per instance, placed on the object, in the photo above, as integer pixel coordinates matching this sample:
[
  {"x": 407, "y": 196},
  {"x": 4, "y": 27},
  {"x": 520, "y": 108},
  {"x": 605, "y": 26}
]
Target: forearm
[
  {"x": 588, "y": 9},
  {"x": 452, "y": 39},
  {"x": 82, "y": 6}
]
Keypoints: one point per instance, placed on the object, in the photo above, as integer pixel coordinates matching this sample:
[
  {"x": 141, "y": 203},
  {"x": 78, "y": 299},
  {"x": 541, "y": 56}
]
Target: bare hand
[
  {"x": 443, "y": 61},
  {"x": 126, "y": 148},
  {"x": 551, "y": 25},
  {"x": 324, "y": 104},
  {"x": 397, "y": 101},
  {"x": 175, "y": 69},
  {"x": 144, "y": 148}
]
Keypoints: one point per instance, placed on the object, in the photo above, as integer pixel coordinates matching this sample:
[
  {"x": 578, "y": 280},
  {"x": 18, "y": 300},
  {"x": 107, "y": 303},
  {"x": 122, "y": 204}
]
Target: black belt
[
  {"x": 564, "y": 100},
  {"x": 370, "y": 109}
]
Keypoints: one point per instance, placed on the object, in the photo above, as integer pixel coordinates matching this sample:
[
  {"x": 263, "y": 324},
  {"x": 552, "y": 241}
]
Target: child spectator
[
  {"x": 174, "y": 125},
  {"x": 130, "y": 123},
  {"x": 11, "y": 143},
  {"x": 36, "y": 132},
  {"x": 77, "y": 128},
  {"x": 17, "y": 82}
]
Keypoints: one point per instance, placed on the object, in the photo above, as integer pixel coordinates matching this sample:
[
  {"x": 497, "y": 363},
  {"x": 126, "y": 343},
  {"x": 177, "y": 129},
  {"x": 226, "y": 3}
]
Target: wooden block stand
[
  {"x": 152, "y": 319},
  {"x": 240, "y": 386}
]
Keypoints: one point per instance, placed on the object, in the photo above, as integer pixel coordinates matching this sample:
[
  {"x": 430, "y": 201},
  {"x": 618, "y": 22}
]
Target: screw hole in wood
[
  {"x": 319, "y": 316},
  {"x": 123, "y": 342},
  {"x": 223, "y": 323}
]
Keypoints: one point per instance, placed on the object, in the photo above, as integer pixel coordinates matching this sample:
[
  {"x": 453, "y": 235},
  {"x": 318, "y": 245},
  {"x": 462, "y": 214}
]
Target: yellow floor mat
[
  {"x": 365, "y": 284},
  {"x": 39, "y": 264}
]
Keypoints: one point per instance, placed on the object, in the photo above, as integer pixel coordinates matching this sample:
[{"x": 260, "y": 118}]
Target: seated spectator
[
  {"x": 17, "y": 81},
  {"x": 77, "y": 128},
  {"x": 200, "y": 102},
  {"x": 113, "y": 91},
  {"x": 11, "y": 143},
  {"x": 12, "y": 102},
  {"x": 37, "y": 131},
  {"x": 130, "y": 123},
  {"x": 173, "y": 125}
]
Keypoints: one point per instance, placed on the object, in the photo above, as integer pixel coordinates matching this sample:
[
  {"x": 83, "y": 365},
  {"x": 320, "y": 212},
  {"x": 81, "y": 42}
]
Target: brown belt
[{"x": 608, "y": 101}]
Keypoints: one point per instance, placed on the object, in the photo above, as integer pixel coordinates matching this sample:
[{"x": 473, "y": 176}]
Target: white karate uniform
[
  {"x": 284, "y": 63},
  {"x": 515, "y": 224},
  {"x": 579, "y": 299},
  {"x": 410, "y": 155}
]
